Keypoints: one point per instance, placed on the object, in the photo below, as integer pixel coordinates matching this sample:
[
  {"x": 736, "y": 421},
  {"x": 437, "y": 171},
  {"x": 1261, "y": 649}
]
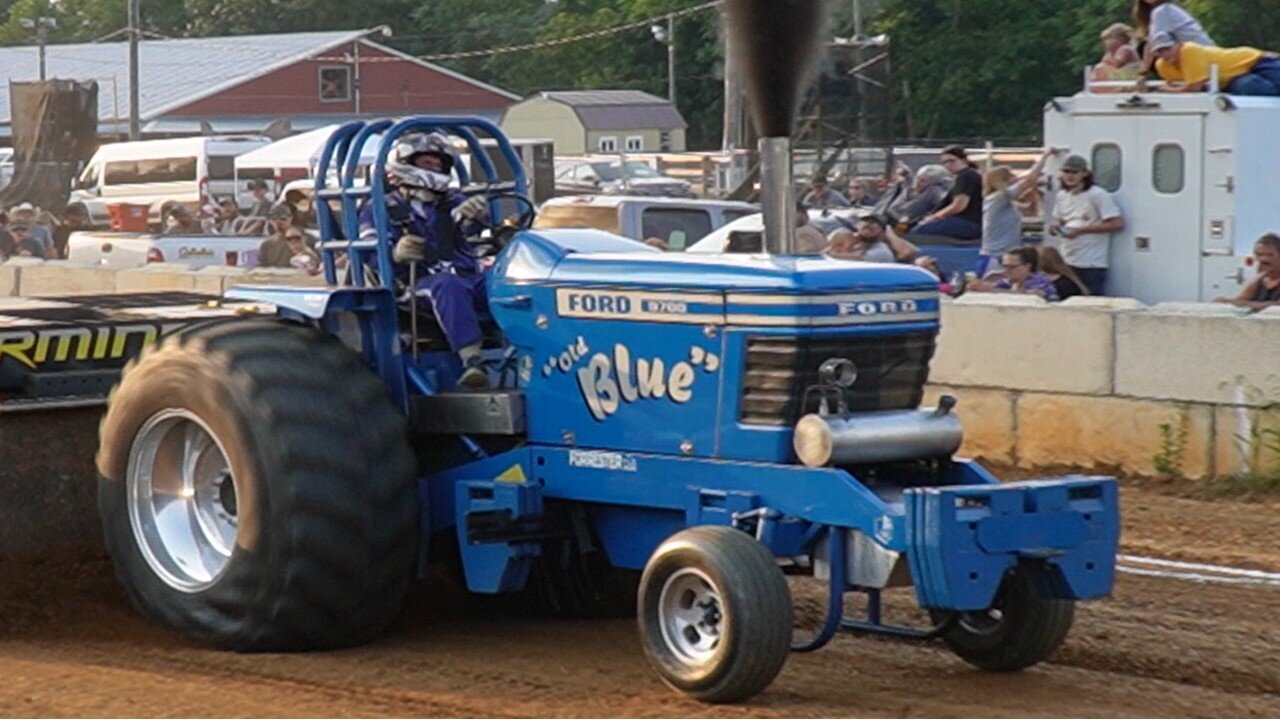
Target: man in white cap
[
  {"x": 1185, "y": 67},
  {"x": 27, "y": 214}
]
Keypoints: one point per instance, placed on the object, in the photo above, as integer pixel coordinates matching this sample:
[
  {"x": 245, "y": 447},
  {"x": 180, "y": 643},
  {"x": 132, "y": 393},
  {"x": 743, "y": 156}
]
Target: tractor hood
[{"x": 590, "y": 257}]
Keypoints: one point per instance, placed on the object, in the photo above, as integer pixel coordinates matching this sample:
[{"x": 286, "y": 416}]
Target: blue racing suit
[{"x": 450, "y": 283}]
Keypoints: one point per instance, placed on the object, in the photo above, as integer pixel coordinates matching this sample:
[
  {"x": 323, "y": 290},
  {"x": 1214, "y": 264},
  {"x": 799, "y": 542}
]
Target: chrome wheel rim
[
  {"x": 691, "y": 615},
  {"x": 182, "y": 500}
]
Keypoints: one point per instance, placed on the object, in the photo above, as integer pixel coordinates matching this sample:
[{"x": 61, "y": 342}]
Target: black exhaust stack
[{"x": 778, "y": 45}]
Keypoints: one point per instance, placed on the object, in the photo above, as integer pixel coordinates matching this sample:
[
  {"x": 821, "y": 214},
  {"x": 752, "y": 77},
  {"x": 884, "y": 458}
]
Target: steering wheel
[{"x": 501, "y": 233}]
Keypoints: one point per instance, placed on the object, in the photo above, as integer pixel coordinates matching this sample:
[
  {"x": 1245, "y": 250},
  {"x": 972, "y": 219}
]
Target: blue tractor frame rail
[{"x": 712, "y": 421}]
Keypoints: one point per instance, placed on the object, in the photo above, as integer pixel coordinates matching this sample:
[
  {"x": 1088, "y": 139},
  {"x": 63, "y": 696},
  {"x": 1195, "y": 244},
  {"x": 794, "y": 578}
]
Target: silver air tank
[{"x": 878, "y": 437}]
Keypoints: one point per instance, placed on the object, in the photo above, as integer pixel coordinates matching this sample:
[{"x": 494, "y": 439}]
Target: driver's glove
[
  {"x": 474, "y": 208},
  {"x": 409, "y": 249}
]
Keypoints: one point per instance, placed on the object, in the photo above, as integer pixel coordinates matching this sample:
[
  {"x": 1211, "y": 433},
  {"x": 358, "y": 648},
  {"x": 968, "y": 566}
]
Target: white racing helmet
[{"x": 403, "y": 172}]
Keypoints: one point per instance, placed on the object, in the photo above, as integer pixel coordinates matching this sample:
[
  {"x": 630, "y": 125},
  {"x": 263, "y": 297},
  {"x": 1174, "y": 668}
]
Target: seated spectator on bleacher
[
  {"x": 19, "y": 242},
  {"x": 1263, "y": 291},
  {"x": 809, "y": 239},
  {"x": 1064, "y": 279},
  {"x": 1120, "y": 61},
  {"x": 300, "y": 204},
  {"x": 858, "y": 194},
  {"x": 909, "y": 204},
  {"x": 872, "y": 242},
  {"x": 209, "y": 218},
  {"x": 275, "y": 250},
  {"x": 1185, "y": 67},
  {"x": 179, "y": 221},
  {"x": 260, "y": 208},
  {"x": 1021, "y": 274},
  {"x": 228, "y": 214},
  {"x": 821, "y": 196},
  {"x": 301, "y": 256},
  {"x": 960, "y": 216}
]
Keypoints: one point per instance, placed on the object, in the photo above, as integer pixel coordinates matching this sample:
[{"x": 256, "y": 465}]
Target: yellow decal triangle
[{"x": 513, "y": 474}]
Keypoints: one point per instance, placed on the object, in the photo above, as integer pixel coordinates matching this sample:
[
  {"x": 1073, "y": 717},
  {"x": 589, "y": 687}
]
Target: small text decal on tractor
[
  {"x": 602, "y": 460},
  {"x": 881, "y": 307},
  {"x": 684, "y": 307},
  {"x": 607, "y": 381}
]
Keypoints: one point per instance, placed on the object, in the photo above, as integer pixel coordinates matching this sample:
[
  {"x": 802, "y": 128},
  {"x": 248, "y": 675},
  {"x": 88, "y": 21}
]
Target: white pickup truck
[
  {"x": 125, "y": 250},
  {"x": 677, "y": 222}
]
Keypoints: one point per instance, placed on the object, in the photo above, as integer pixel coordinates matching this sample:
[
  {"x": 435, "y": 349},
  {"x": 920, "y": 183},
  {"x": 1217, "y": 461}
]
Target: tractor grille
[{"x": 892, "y": 370}]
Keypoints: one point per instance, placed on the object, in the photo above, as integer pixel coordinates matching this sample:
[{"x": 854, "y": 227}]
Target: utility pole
[
  {"x": 667, "y": 36},
  {"x": 355, "y": 80},
  {"x": 734, "y": 135},
  {"x": 859, "y": 83},
  {"x": 671, "y": 58},
  {"x": 42, "y": 26},
  {"x": 135, "y": 121}
]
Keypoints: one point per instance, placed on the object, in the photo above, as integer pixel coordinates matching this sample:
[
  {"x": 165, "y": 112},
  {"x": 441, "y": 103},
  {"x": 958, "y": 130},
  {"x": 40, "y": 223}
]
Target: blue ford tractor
[{"x": 666, "y": 436}]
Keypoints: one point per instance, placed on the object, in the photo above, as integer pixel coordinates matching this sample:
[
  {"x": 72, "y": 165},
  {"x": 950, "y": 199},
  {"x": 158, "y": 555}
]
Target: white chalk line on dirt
[
  {"x": 1200, "y": 567},
  {"x": 1197, "y": 577}
]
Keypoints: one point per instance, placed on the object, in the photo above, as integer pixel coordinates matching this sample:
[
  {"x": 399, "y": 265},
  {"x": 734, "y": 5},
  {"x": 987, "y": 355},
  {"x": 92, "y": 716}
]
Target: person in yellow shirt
[{"x": 1185, "y": 67}]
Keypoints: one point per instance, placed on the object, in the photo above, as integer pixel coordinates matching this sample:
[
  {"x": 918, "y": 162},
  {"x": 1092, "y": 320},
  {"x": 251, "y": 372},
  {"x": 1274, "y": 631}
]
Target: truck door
[{"x": 1164, "y": 216}]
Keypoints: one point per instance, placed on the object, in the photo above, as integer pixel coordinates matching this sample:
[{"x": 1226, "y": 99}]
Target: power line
[{"x": 554, "y": 42}]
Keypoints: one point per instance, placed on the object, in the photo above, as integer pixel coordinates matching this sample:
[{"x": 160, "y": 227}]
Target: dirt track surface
[{"x": 71, "y": 645}]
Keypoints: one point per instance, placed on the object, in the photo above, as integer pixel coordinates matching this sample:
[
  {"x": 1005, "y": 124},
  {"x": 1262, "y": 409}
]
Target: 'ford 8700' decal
[
  {"x": 747, "y": 309},
  {"x": 609, "y": 304}
]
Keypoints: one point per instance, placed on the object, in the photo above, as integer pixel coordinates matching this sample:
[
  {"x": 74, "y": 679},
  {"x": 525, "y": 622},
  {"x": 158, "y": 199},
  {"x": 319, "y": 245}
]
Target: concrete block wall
[
  {"x": 24, "y": 276},
  {"x": 1102, "y": 382},
  {"x": 1087, "y": 382}
]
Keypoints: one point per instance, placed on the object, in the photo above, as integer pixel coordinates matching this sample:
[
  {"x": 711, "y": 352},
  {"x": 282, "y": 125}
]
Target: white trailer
[{"x": 1197, "y": 176}]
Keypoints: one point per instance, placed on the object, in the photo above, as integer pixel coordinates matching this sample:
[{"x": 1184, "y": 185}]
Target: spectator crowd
[{"x": 954, "y": 200}]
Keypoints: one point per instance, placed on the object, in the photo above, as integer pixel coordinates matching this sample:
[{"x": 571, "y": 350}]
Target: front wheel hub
[{"x": 691, "y": 615}]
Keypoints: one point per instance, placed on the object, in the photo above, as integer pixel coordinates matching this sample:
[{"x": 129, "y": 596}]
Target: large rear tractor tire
[
  {"x": 715, "y": 614},
  {"x": 1020, "y": 629},
  {"x": 257, "y": 489}
]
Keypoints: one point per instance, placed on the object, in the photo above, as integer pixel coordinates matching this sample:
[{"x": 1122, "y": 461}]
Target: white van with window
[{"x": 163, "y": 172}]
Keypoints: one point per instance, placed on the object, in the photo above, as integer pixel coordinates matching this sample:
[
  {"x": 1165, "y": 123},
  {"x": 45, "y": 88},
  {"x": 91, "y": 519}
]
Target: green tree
[
  {"x": 1240, "y": 22},
  {"x": 978, "y": 68}
]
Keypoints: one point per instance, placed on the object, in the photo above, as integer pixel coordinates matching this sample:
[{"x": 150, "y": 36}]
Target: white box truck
[{"x": 1197, "y": 176}]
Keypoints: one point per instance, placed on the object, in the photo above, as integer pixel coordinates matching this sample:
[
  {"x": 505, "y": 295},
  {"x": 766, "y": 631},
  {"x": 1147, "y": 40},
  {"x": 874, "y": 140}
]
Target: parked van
[
  {"x": 162, "y": 172},
  {"x": 678, "y": 223}
]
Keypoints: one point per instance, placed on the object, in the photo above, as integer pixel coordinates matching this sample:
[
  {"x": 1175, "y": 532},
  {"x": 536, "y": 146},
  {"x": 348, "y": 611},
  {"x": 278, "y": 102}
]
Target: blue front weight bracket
[{"x": 961, "y": 540}]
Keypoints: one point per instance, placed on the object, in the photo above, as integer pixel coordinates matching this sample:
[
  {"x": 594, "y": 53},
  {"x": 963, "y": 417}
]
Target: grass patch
[{"x": 1243, "y": 486}]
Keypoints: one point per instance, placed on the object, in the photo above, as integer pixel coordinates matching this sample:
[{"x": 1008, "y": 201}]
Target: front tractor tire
[
  {"x": 715, "y": 614},
  {"x": 257, "y": 489},
  {"x": 1022, "y": 627}
]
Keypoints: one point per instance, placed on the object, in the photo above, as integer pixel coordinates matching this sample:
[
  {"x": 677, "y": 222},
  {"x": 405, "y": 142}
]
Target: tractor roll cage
[{"x": 342, "y": 152}]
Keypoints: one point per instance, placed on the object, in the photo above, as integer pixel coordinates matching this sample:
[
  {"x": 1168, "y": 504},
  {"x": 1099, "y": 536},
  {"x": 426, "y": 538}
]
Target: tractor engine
[{"x": 719, "y": 356}]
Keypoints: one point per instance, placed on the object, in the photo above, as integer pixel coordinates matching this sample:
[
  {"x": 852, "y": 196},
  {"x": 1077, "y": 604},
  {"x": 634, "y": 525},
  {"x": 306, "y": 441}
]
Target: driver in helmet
[{"x": 429, "y": 226}]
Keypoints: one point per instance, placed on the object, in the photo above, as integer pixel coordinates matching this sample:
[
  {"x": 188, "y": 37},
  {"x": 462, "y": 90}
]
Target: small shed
[{"x": 598, "y": 121}]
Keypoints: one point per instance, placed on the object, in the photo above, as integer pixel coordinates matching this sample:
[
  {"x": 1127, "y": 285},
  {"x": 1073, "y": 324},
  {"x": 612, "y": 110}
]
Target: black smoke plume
[{"x": 778, "y": 44}]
